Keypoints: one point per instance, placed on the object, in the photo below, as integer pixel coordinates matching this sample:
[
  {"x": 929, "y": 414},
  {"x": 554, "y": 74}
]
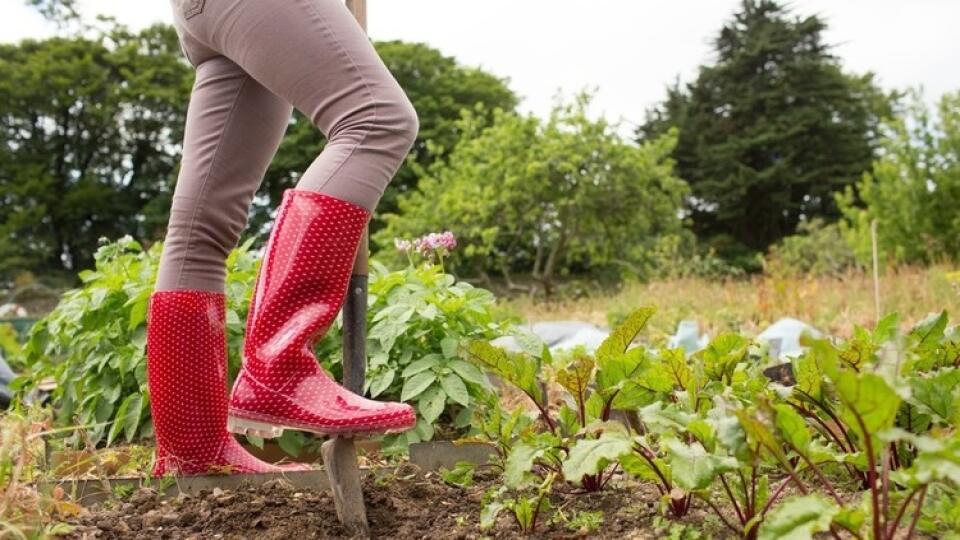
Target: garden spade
[{"x": 340, "y": 453}]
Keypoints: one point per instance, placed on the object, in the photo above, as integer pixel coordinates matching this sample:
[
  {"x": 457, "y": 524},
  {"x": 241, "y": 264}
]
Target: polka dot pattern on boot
[
  {"x": 300, "y": 289},
  {"x": 187, "y": 378}
]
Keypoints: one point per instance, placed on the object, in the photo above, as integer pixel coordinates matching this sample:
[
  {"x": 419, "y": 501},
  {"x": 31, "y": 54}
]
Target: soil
[{"x": 404, "y": 505}]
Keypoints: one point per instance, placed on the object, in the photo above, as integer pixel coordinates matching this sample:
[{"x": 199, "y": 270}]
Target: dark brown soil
[{"x": 398, "y": 507}]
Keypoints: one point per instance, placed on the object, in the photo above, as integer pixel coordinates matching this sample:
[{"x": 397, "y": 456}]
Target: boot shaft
[
  {"x": 187, "y": 370},
  {"x": 303, "y": 281}
]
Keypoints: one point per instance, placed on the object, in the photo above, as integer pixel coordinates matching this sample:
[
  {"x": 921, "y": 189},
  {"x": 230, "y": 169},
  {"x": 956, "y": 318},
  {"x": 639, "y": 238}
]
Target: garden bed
[{"x": 403, "y": 504}]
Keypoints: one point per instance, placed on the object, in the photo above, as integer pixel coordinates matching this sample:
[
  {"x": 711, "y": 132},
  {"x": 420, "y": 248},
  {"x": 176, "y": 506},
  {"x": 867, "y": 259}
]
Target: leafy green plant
[
  {"x": 580, "y": 522},
  {"x": 579, "y": 444},
  {"x": 535, "y": 196},
  {"x": 877, "y": 412},
  {"x": 460, "y": 475},
  {"x": 912, "y": 188},
  {"x": 525, "y": 505},
  {"x": 93, "y": 343},
  {"x": 852, "y": 412},
  {"x": 816, "y": 249},
  {"x": 418, "y": 317}
]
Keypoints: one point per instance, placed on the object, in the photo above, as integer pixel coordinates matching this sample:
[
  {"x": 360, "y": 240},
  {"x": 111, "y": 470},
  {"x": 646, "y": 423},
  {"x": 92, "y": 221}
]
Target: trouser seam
[{"x": 202, "y": 197}]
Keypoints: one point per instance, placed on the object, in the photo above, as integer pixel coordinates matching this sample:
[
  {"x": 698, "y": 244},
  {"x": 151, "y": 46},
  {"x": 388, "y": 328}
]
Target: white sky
[{"x": 629, "y": 50}]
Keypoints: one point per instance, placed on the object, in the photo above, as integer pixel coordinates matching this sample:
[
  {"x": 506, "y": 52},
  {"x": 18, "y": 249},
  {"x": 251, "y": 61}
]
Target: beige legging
[{"x": 255, "y": 60}]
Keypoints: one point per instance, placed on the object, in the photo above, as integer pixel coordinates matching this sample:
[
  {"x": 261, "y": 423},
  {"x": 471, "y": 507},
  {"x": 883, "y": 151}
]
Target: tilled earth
[{"x": 398, "y": 507}]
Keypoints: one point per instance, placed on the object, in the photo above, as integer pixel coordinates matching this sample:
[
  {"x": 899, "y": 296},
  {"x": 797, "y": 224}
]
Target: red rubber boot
[
  {"x": 187, "y": 377},
  {"x": 300, "y": 289}
]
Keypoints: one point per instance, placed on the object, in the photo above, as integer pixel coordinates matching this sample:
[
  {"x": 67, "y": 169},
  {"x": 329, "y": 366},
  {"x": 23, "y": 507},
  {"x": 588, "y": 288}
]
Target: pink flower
[
  {"x": 404, "y": 246},
  {"x": 443, "y": 242},
  {"x": 440, "y": 244}
]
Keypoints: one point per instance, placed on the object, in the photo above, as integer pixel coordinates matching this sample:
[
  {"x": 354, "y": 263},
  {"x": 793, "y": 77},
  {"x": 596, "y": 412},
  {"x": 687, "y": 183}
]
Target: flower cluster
[{"x": 439, "y": 244}]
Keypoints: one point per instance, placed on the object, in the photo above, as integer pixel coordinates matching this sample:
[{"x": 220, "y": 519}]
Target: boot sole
[{"x": 268, "y": 430}]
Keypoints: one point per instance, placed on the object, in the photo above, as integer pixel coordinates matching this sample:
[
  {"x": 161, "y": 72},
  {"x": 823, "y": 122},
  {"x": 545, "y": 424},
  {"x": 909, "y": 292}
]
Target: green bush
[
  {"x": 912, "y": 190},
  {"x": 678, "y": 255},
  {"x": 418, "y": 316},
  {"x": 818, "y": 248},
  {"x": 93, "y": 343},
  {"x": 545, "y": 198}
]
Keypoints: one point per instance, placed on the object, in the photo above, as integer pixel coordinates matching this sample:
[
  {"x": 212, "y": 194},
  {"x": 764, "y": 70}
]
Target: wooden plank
[
  {"x": 359, "y": 10},
  {"x": 95, "y": 490}
]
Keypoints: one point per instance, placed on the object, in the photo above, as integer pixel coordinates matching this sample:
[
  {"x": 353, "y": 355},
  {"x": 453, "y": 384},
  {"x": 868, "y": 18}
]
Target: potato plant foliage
[
  {"x": 863, "y": 444},
  {"x": 93, "y": 343}
]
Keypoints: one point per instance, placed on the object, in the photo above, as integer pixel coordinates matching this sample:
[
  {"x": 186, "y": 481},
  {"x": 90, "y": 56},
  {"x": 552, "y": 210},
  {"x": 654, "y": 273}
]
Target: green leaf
[
  {"x": 489, "y": 513},
  {"x": 457, "y": 391},
  {"x": 623, "y": 335},
  {"x": 635, "y": 465},
  {"x": 449, "y": 347},
  {"x": 659, "y": 418},
  {"x": 693, "y": 468},
  {"x": 427, "y": 362},
  {"x": 519, "y": 464},
  {"x": 521, "y": 370},
  {"x": 576, "y": 377},
  {"x": 869, "y": 397},
  {"x": 617, "y": 370},
  {"x": 723, "y": 354},
  {"x": 792, "y": 427},
  {"x": 254, "y": 440},
  {"x": 468, "y": 372},
  {"x": 938, "y": 459},
  {"x": 131, "y": 418},
  {"x": 590, "y": 456},
  {"x": 938, "y": 394},
  {"x": 381, "y": 381},
  {"x": 673, "y": 368},
  {"x": 887, "y": 328},
  {"x": 461, "y": 475},
  {"x": 798, "y": 518},
  {"x": 808, "y": 375},
  {"x": 120, "y": 418},
  {"x": 759, "y": 433},
  {"x": 431, "y": 404},
  {"x": 415, "y": 385},
  {"x": 291, "y": 442},
  {"x": 530, "y": 343},
  {"x": 928, "y": 333},
  {"x": 424, "y": 430},
  {"x": 138, "y": 314}
]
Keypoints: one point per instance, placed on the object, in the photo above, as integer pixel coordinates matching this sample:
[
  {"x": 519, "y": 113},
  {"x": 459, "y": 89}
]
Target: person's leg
[
  {"x": 234, "y": 126},
  {"x": 313, "y": 54}
]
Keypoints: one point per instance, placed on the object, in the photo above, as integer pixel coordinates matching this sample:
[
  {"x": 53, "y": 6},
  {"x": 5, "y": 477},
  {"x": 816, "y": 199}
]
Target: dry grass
[
  {"x": 24, "y": 511},
  {"x": 832, "y": 304}
]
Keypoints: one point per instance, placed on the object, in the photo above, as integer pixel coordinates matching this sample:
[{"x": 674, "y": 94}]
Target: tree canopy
[
  {"x": 545, "y": 197},
  {"x": 90, "y": 129},
  {"x": 913, "y": 189},
  {"x": 92, "y": 125},
  {"x": 770, "y": 130}
]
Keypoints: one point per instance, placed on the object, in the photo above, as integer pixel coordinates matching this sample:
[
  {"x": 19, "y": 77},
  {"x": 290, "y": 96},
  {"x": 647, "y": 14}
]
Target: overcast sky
[{"x": 629, "y": 50}]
